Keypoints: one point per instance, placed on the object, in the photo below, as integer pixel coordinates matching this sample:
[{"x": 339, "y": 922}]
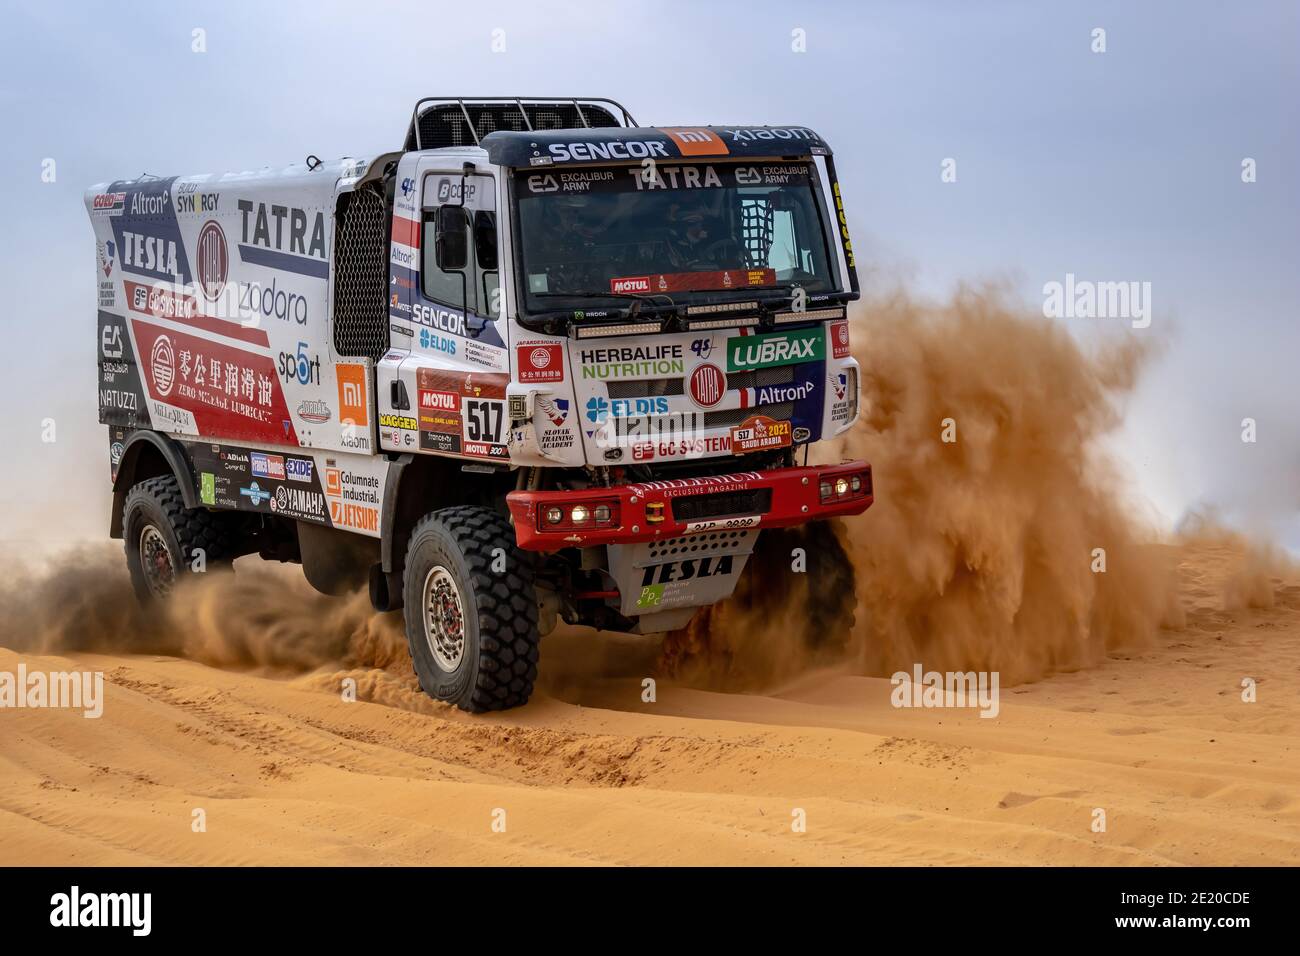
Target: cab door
[{"x": 445, "y": 378}]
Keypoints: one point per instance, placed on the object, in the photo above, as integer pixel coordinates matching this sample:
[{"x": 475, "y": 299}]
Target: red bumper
[{"x": 657, "y": 510}]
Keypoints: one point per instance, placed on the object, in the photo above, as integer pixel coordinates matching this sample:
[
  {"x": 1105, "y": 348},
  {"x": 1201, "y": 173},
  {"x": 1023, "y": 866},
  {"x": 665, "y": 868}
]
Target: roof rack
[{"x": 505, "y": 112}]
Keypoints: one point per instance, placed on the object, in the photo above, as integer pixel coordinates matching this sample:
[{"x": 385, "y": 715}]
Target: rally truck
[{"x": 540, "y": 364}]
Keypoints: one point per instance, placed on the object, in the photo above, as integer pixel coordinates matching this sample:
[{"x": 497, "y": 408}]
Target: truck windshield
[{"x": 681, "y": 230}]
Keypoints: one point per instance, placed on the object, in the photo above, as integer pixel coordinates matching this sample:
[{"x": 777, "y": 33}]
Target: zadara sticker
[
  {"x": 760, "y": 433},
  {"x": 541, "y": 362}
]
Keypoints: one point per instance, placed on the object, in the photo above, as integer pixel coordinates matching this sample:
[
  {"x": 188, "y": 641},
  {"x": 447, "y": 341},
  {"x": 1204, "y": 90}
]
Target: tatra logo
[
  {"x": 213, "y": 261},
  {"x": 266, "y": 226}
]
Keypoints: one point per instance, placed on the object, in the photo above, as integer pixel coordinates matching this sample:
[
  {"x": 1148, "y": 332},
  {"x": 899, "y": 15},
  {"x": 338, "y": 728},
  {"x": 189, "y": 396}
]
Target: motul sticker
[
  {"x": 759, "y": 433},
  {"x": 694, "y": 281},
  {"x": 541, "y": 362},
  {"x": 630, "y": 284}
]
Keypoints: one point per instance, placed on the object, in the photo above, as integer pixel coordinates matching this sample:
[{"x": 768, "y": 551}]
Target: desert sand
[{"x": 287, "y": 772}]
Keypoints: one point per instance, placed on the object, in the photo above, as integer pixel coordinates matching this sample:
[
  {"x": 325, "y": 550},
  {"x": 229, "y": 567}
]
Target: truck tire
[
  {"x": 162, "y": 535},
  {"x": 470, "y": 609}
]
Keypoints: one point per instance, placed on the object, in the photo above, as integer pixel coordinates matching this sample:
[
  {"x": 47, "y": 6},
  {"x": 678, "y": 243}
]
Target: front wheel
[
  {"x": 165, "y": 540},
  {"x": 470, "y": 609}
]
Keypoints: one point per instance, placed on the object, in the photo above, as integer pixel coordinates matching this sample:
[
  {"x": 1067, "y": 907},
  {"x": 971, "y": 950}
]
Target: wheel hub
[
  {"x": 444, "y": 619},
  {"x": 157, "y": 562}
]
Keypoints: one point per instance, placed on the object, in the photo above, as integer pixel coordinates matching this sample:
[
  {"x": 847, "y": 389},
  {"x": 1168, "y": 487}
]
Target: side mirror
[{"x": 451, "y": 238}]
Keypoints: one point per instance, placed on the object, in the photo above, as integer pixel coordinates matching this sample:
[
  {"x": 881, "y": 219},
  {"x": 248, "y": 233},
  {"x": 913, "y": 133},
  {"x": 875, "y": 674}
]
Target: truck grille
[
  {"x": 722, "y": 504},
  {"x": 781, "y": 411},
  {"x": 646, "y": 388}
]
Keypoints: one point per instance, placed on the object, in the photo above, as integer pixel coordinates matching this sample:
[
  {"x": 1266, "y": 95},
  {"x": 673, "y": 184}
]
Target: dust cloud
[
  {"x": 978, "y": 553},
  {"x": 261, "y": 615}
]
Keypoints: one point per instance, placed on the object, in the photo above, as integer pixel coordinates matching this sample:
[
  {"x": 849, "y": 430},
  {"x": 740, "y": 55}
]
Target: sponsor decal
[
  {"x": 696, "y": 142},
  {"x": 772, "y": 394},
  {"x": 255, "y": 493},
  {"x": 299, "y": 469},
  {"x": 301, "y": 368},
  {"x": 314, "y": 410},
  {"x": 222, "y": 391},
  {"x": 272, "y": 301},
  {"x": 398, "y": 421},
  {"x": 628, "y": 284},
  {"x": 802, "y": 434},
  {"x": 267, "y": 466},
  {"x": 436, "y": 317},
  {"x": 843, "y": 220},
  {"x": 693, "y": 281},
  {"x": 676, "y": 487},
  {"x": 776, "y": 348},
  {"x": 212, "y": 259},
  {"x": 840, "y": 386},
  {"x": 108, "y": 204},
  {"x": 759, "y": 433},
  {"x": 839, "y": 332},
  {"x": 687, "y": 569},
  {"x": 107, "y": 259},
  {"x": 707, "y": 386},
  {"x": 110, "y": 340},
  {"x": 160, "y": 302},
  {"x": 298, "y": 503},
  {"x": 555, "y": 409},
  {"x": 437, "y": 343},
  {"x": 162, "y": 366},
  {"x": 541, "y": 362},
  {"x": 115, "y": 452},
  {"x": 344, "y": 514},
  {"x": 352, "y": 393},
  {"x": 582, "y": 152},
  {"x": 189, "y": 199},
  {"x": 208, "y": 488},
  {"x": 598, "y": 409},
  {"x": 286, "y": 238},
  {"x": 453, "y": 190},
  {"x": 148, "y": 236},
  {"x": 652, "y": 595},
  {"x": 632, "y": 361}
]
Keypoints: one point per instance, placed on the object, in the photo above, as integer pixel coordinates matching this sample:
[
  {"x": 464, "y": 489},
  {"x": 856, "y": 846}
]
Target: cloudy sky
[{"x": 1122, "y": 165}]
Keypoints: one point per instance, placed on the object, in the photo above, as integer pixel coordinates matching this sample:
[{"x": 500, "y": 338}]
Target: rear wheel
[
  {"x": 470, "y": 608},
  {"x": 165, "y": 540}
]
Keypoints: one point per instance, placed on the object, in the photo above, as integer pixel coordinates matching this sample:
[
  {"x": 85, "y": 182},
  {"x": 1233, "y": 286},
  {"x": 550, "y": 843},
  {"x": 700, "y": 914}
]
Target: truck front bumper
[{"x": 659, "y": 510}]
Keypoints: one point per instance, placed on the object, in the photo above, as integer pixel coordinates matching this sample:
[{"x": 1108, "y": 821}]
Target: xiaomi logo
[
  {"x": 352, "y": 394},
  {"x": 697, "y": 142}
]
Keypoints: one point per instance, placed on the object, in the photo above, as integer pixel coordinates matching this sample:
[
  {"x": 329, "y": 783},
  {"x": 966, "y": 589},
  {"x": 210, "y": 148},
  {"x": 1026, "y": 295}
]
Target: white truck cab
[{"x": 541, "y": 364}]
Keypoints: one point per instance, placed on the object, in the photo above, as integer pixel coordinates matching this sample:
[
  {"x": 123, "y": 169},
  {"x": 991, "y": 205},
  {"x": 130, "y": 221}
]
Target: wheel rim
[
  {"x": 444, "y": 619},
  {"x": 157, "y": 562}
]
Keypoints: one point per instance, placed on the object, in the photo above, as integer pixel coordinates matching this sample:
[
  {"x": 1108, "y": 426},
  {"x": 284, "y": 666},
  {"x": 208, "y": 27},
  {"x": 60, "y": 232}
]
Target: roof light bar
[
  {"x": 626, "y": 328},
  {"x": 808, "y": 315},
  {"x": 739, "y": 321},
  {"x": 721, "y": 307}
]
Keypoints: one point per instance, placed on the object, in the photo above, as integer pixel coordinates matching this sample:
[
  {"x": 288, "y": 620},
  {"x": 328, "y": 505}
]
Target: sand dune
[{"x": 287, "y": 772}]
